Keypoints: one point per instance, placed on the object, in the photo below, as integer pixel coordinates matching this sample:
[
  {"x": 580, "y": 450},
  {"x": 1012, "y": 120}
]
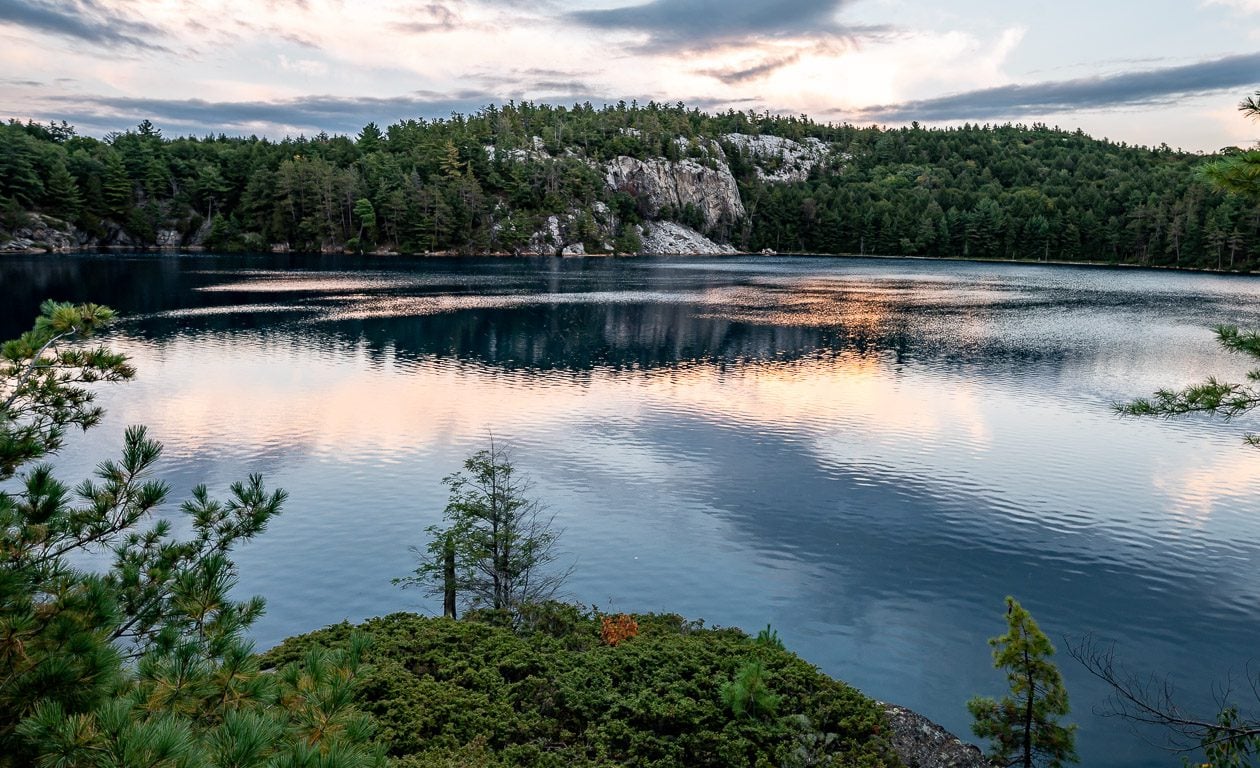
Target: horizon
[
  {"x": 1157, "y": 73},
  {"x": 212, "y": 134}
]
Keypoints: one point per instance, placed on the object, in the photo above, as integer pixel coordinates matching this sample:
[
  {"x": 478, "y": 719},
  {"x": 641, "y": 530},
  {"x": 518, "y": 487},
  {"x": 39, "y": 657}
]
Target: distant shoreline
[{"x": 106, "y": 249}]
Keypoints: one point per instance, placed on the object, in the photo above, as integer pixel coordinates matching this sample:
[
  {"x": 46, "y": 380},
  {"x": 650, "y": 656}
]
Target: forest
[{"x": 487, "y": 183}]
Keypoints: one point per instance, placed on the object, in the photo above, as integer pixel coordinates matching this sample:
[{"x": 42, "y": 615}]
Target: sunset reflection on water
[{"x": 868, "y": 455}]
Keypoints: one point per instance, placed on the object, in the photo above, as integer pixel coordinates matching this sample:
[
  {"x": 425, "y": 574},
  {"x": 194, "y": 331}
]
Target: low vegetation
[{"x": 557, "y": 690}]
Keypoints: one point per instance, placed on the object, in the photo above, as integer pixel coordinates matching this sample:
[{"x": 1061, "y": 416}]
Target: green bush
[{"x": 551, "y": 693}]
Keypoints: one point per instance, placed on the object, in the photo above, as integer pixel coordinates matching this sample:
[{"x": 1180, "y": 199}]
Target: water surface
[{"x": 868, "y": 455}]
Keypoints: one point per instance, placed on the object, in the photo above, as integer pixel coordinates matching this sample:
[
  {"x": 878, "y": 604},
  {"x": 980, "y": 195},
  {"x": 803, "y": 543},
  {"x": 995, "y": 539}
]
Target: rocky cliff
[
  {"x": 780, "y": 160},
  {"x": 662, "y": 185},
  {"x": 687, "y": 205},
  {"x": 42, "y": 233}
]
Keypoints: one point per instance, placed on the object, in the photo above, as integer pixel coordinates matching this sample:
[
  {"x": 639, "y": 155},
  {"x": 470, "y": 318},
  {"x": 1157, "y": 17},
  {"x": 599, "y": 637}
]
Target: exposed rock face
[
  {"x": 535, "y": 152},
  {"x": 921, "y": 743},
  {"x": 662, "y": 183},
  {"x": 169, "y": 238},
  {"x": 666, "y": 238},
  {"x": 790, "y": 160},
  {"x": 198, "y": 239},
  {"x": 562, "y": 235},
  {"x": 116, "y": 236},
  {"x": 549, "y": 240},
  {"x": 43, "y": 233}
]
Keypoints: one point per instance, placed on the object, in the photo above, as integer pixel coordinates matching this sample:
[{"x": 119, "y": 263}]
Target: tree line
[{"x": 487, "y": 182}]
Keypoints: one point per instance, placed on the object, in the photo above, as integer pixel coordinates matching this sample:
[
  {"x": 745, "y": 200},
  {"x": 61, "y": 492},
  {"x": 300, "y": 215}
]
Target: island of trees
[{"x": 507, "y": 178}]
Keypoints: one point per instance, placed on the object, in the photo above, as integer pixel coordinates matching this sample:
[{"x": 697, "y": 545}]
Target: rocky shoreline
[
  {"x": 44, "y": 234},
  {"x": 921, "y": 743}
]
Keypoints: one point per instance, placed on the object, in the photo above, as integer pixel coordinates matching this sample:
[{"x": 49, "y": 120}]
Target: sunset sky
[{"x": 1143, "y": 72}]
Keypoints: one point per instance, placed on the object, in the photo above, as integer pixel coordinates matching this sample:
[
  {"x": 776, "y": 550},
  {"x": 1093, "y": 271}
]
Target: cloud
[
  {"x": 1246, "y": 6},
  {"x": 532, "y": 80},
  {"x": 764, "y": 68},
  {"x": 99, "y": 115},
  {"x": 1155, "y": 86},
  {"x": 87, "y": 20},
  {"x": 308, "y": 67},
  {"x": 685, "y": 24},
  {"x": 431, "y": 17},
  {"x": 312, "y": 114}
]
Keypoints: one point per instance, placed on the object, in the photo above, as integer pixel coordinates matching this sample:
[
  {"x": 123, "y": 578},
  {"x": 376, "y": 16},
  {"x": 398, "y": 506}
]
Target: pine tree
[
  {"x": 61, "y": 192},
  {"x": 1219, "y": 398},
  {"x": 1024, "y": 726},
  {"x": 502, "y": 540},
  {"x": 141, "y": 660},
  {"x": 1239, "y": 172},
  {"x": 116, "y": 187},
  {"x": 19, "y": 177}
]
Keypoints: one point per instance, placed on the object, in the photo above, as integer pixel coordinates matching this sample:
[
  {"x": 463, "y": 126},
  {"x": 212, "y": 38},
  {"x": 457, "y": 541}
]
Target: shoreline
[{"x": 199, "y": 249}]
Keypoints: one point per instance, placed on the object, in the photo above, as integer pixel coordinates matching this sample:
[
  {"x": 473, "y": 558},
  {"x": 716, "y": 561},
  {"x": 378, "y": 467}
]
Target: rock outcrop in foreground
[{"x": 921, "y": 743}]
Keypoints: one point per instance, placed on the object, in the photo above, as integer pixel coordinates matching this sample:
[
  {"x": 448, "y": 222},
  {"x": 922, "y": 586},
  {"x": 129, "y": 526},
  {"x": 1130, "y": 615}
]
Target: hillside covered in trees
[{"x": 533, "y": 178}]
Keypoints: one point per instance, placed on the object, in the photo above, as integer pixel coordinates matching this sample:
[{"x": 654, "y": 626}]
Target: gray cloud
[
  {"x": 685, "y": 24},
  {"x": 741, "y": 75},
  {"x": 101, "y": 114},
  {"x": 1155, "y": 86},
  {"x": 87, "y": 20},
  {"x": 559, "y": 83},
  {"x": 431, "y": 17}
]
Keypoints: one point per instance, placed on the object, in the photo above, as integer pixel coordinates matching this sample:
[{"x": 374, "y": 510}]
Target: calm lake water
[{"x": 868, "y": 455}]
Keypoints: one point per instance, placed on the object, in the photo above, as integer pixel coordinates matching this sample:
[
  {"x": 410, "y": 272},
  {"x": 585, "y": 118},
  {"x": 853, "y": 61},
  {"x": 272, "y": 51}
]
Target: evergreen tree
[
  {"x": 19, "y": 176},
  {"x": 1024, "y": 725},
  {"x": 366, "y": 216},
  {"x": 369, "y": 139},
  {"x": 1218, "y": 398},
  {"x": 61, "y": 193},
  {"x": 502, "y": 540},
  {"x": 116, "y": 187},
  {"x": 1240, "y": 171},
  {"x": 141, "y": 660}
]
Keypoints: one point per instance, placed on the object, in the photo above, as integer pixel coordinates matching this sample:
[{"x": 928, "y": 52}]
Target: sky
[{"x": 1139, "y": 71}]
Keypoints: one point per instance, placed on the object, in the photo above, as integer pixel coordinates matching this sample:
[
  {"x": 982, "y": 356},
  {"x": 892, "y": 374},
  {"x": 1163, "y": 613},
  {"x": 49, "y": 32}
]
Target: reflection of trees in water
[
  {"x": 751, "y": 322},
  {"x": 133, "y": 286},
  {"x": 584, "y": 336}
]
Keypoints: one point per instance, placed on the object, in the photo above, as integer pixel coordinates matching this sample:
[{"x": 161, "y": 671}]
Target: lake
[{"x": 866, "y": 454}]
